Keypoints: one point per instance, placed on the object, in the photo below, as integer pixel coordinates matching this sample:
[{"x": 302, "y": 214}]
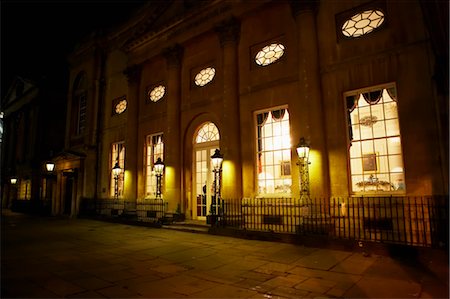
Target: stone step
[{"x": 192, "y": 228}]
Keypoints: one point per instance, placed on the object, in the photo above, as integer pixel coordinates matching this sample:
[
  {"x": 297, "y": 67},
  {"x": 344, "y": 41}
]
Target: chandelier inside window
[
  {"x": 157, "y": 93},
  {"x": 363, "y": 23},
  {"x": 269, "y": 54},
  {"x": 121, "y": 106},
  {"x": 205, "y": 76}
]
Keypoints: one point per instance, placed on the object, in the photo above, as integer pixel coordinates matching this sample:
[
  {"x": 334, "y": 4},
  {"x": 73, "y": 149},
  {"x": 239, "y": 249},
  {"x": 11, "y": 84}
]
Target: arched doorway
[{"x": 206, "y": 140}]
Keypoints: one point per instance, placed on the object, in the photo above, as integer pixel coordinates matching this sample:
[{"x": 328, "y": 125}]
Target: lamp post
[
  {"x": 216, "y": 161},
  {"x": 116, "y": 172},
  {"x": 158, "y": 167},
  {"x": 303, "y": 162}
]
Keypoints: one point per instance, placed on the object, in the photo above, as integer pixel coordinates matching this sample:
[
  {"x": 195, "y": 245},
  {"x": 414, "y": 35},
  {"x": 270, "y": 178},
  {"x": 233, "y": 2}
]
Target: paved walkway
[{"x": 60, "y": 257}]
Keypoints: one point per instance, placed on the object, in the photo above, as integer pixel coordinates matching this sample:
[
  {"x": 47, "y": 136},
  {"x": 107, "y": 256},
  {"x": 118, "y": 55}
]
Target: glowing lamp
[
  {"x": 217, "y": 160},
  {"x": 116, "y": 170},
  {"x": 159, "y": 167},
  {"x": 13, "y": 181},
  {"x": 303, "y": 149},
  {"x": 50, "y": 166}
]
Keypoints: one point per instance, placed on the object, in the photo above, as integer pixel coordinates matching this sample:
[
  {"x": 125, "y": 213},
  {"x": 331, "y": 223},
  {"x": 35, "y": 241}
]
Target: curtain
[{"x": 373, "y": 97}]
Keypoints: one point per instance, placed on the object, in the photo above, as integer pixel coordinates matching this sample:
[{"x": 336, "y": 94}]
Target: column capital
[
  {"x": 228, "y": 31},
  {"x": 299, "y": 6},
  {"x": 133, "y": 73},
  {"x": 173, "y": 55}
]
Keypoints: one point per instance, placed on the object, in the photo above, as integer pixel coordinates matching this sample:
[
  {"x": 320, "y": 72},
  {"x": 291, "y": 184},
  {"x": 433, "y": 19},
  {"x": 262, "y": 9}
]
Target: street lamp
[
  {"x": 50, "y": 166},
  {"x": 116, "y": 172},
  {"x": 13, "y": 181},
  {"x": 303, "y": 162},
  {"x": 216, "y": 161},
  {"x": 158, "y": 167}
]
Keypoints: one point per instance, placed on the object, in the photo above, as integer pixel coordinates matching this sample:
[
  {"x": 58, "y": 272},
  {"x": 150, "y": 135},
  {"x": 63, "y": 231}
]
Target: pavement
[{"x": 54, "y": 257}]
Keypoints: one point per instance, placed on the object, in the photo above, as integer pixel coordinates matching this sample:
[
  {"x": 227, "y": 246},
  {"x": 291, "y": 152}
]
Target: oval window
[
  {"x": 205, "y": 76},
  {"x": 121, "y": 106},
  {"x": 363, "y": 23},
  {"x": 157, "y": 93},
  {"x": 269, "y": 54}
]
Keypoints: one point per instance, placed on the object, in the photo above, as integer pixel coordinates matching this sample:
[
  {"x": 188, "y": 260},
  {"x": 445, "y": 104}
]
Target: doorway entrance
[{"x": 206, "y": 141}]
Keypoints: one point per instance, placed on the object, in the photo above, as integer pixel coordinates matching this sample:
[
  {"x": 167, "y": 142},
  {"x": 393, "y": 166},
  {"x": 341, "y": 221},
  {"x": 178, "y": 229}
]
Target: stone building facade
[{"x": 356, "y": 79}]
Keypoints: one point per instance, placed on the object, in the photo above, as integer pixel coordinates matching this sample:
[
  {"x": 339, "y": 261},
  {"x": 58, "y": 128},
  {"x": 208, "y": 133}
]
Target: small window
[
  {"x": 269, "y": 54},
  {"x": 156, "y": 93},
  {"x": 208, "y": 132},
  {"x": 119, "y": 105},
  {"x": 363, "y": 23},
  {"x": 205, "y": 76}
]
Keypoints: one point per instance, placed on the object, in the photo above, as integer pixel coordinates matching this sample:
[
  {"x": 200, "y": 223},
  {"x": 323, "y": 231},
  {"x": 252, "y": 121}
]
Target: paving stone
[
  {"x": 320, "y": 286},
  {"x": 222, "y": 291},
  {"x": 289, "y": 280},
  {"x": 118, "y": 292},
  {"x": 61, "y": 287},
  {"x": 323, "y": 259},
  {"x": 87, "y": 294},
  {"x": 92, "y": 283},
  {"x": 289, "y": 292},
  {"x": 355, "y": 264},
  {"x": 271, "y": 267},
  {"x": 373, "y": 287}
]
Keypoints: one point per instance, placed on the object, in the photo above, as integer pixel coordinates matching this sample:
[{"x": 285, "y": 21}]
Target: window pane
[
  {"x": 273, "y": 152},
  {"x": 375, "y": 150}
]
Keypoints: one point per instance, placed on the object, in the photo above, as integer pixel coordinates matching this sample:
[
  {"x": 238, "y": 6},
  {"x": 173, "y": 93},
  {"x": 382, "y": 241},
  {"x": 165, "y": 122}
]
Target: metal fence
[
  {"x": 148, "y": 210},
  {"x": 417, "y": 221}
]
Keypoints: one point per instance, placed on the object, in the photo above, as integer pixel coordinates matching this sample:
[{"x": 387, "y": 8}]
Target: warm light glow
[
  {"x": 13, "y": 181},
  {"x": 121, "y": 106},
  {"x": 363, "y": 23},
  {"x": 269, "y": 54},
  {"x": 116, "y": 170},
  {"x": 50, "y": 166},
  {"x": 205, "y": 76},
  {"x": 303, "y": 149},
  {"x": 157, "y": 93},
  {"x": 159, "y": 167}
]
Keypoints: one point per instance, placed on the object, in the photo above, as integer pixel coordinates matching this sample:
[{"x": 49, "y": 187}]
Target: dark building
[{"x": 33, "y": 131}]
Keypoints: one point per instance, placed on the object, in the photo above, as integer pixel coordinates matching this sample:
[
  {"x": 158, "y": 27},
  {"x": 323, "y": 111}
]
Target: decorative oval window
[
  {"x": 121, "y": 106},
  {"x": 269, "y": 54},
  {"x": 363, "y": 23},
  {"x": 205, "y": 76},
  {"x": 157, "y": 93}
]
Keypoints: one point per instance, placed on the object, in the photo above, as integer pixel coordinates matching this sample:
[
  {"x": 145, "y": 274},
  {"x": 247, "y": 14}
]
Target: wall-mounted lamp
[
  {"x": 158, "y": 167},
  {"x": 13, "y": 181}
]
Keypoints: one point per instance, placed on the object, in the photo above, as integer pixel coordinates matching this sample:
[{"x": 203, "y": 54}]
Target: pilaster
[
  {"x": 309, "y": 108},
  {"x": 172, "y": 136},
  {"x": 229, "y": 33},
  {"x": 133, "y": 74}
]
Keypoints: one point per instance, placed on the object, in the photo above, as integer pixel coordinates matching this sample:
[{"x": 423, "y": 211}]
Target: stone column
[
  {"x": 133, "y": 74},
  {"x": 230, "y": 145},
  {"x": 309, "y": 112},
  {"x": 172, "y": 135}
]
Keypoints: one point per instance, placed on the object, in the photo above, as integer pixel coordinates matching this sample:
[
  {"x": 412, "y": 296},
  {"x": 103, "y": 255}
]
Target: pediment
[{"x": 19, "y": 87}]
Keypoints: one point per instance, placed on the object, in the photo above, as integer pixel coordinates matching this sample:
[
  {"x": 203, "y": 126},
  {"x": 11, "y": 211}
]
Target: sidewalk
[{"x": 79, "y": 258}]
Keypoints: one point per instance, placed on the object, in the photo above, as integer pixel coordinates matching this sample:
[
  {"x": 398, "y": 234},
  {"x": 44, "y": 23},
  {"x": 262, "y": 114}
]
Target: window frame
[
  {"x": 279, "y": 166},
  {"x": 374, "y": 156},
  {"x": 149, "y": 193},
  {"x": 113, "y": 159}
]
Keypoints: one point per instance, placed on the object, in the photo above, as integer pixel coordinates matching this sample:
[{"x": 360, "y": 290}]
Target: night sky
[{"x": 37, "y": 36}]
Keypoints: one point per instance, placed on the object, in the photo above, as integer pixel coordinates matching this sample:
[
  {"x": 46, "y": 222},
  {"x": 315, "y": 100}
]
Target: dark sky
[{"x": 36, "y": 36}]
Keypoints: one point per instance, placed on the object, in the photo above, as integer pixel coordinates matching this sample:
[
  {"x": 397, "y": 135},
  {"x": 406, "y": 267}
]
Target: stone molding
[
  {"x": 173, "y": 55},
  {"x": 133, "y": 73},
  {"x": 300, "y": 6},
  {"x": 228, "y": 31}
]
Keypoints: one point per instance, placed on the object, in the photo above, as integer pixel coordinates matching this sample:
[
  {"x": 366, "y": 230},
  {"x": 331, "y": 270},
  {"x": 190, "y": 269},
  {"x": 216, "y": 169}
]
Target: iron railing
[
  {"x": 417, "y": 221},
  {"x": 148, "y": 210}
]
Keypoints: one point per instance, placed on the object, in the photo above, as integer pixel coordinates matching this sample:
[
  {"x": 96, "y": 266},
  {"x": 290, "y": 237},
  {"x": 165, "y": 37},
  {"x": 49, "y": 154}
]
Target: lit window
[
  {"x": 363, "y": 23},
  {"x": 25, "y": 190},
  {"x": 121, "y": 106},
  {"x": 208, "y": 132},
  {"x": 157, "y": 93},
  {"x": 376, "y": 160},
  {"x": 205, "y": 76},
  {"x": 273, "y": 152},
  {"x": 269, "y": 54},
  {"x": 117, "y": 155},
  {"x": 154, "y": 150}
]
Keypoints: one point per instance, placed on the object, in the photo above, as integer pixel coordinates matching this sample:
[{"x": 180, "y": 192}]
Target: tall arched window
[{"x": 79, "y": 104}]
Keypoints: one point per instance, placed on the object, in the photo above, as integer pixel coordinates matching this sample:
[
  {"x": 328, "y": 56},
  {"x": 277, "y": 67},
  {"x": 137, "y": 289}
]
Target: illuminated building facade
[{"x": 358, "y": 80}]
